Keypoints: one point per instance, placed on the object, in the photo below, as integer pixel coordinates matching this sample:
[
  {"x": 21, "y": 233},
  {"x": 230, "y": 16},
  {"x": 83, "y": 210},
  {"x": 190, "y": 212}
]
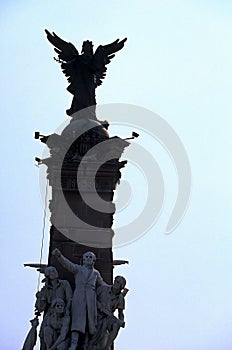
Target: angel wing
[
  {"x": 66, "y": 51},
  {"x": 67, "y": 54},
  {"x": 91, "y": 67},
  {"x": 103, "y": 56}
]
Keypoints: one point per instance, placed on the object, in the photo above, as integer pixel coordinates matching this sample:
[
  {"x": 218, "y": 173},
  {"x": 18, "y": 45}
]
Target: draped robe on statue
[{"x": 84, "y": 305}]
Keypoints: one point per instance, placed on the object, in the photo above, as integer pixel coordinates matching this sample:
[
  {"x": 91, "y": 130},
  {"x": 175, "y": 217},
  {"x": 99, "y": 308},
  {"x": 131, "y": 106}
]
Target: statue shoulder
[
  {"x": 64, "y": 282},
  {"x": 66, "y": 285}
]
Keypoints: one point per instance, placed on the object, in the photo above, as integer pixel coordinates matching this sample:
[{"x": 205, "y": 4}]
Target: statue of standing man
[{"x": 84, "y": 305}]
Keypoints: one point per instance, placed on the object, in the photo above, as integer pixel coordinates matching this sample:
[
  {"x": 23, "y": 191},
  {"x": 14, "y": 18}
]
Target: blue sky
[{"x": 177, "y": 63}]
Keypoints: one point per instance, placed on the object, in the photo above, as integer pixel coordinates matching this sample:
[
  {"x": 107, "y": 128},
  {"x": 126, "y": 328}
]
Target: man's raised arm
[{"x": 67, "y": 264}]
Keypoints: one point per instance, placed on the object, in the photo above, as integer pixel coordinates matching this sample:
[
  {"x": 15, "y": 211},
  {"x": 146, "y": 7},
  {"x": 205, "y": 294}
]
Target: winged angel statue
[{"x": 84, "y": 71}]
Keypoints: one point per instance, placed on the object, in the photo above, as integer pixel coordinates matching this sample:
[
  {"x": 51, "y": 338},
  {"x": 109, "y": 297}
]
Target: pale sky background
[{"x": 178, "y": 63}]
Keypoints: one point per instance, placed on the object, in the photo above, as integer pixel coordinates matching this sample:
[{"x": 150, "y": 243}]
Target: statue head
[
  {"x": 58, "y": 305},
  {"x": 119, "y": 284},
  {"x": 51, "y": 273},
  {"x": 89, "y": 259},
  {"x": 87, "y": 47}
]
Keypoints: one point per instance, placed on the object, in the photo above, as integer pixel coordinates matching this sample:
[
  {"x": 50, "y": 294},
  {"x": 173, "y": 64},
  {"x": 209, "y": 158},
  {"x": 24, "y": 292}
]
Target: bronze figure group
[{"x": 84, "y": 316}]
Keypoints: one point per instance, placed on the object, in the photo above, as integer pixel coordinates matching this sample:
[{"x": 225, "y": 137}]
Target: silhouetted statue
[
  {"x": 84, "y": 304},
  {"x": 85, "y": 72},
  {"x": 56, "y": 327},
  {"x": 109, "y": 299},
  {"x": 53, "y": 288}
]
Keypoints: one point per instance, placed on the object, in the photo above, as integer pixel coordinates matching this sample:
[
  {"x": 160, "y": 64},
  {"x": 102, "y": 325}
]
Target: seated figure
[{"x": 56, "y": 327}]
